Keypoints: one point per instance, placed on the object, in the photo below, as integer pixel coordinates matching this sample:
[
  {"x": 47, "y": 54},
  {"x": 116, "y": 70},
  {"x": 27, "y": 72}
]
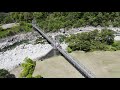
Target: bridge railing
[
  {"x": 81, "y": 68},
  {"x": 39, "y": 31}
]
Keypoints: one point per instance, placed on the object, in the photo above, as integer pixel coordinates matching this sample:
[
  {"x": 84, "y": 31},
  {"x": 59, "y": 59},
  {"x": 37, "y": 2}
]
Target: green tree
[
  {"x": 90, "y": 41},
  {"x": 28, "y": 68},
  {"x": 6, "y": 74},
  {"x": 107, "y": 36},
  {"x": 93, "y": 35},
  {"x": 69, "y": 50},
  {"x": 84, "y": 45}
]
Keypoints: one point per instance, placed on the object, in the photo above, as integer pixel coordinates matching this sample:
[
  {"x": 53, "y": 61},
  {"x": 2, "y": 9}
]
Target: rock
[
  {"x": 9, "y": 59},
  {"x": 10, "y": 25},
  {"x": 17, "y": 38}
]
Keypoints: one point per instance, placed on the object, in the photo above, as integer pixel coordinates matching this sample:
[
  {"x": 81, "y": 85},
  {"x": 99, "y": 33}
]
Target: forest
[{"x": 53, "y": 21}]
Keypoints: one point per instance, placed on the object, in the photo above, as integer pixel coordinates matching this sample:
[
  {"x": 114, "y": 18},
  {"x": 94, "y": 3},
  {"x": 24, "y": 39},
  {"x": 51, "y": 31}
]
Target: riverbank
[
  {"x": 30, "y": 36},
  {"x": 54, "y": 67},
  {"x": 12, "y": 58},
  {"x": 104, "y": 64}
]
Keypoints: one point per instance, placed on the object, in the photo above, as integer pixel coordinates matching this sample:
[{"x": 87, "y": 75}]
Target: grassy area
[{"x": 24, "y": 27}]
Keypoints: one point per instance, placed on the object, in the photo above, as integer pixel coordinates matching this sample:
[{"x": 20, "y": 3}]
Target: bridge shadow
[
  {"x": 81, "y": 68},
  {"x": 50, "y": 54}
]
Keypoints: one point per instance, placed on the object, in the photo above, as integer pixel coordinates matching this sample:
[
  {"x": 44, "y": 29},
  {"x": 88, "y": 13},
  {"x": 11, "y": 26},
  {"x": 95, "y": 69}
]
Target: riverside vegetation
[
  {"x": 94, "y": 40},
  {"x": 27, "y": 71},
  {"x": 53, "y": 21}
]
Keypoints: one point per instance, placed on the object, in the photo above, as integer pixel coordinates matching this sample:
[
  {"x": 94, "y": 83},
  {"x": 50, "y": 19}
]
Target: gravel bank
[
  {"x": 5, "y": 42},
  {"x": 12, "y": 58}
]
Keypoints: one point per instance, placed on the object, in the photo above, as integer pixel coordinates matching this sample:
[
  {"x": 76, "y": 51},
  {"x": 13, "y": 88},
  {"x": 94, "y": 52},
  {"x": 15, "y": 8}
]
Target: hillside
[{"x": 52, "y": 21}]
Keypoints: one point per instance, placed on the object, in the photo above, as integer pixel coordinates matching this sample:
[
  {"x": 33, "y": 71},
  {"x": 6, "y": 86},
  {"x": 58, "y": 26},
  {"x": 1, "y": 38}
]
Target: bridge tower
[
  {"x": 55, "y": 51},
  {"x": 34, "y": 21},
  {"x": 54, "y": 47}
]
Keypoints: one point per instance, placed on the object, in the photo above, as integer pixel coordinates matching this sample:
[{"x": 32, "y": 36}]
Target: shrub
[
  {"x": 29, "y": 76},
  {"x": 69, "y": 50},
  {"x": 6, "y": 74},
  {"x": 11, "y": 33},
  {"x": 38, "y": 76},
  {"x": 101, "y": 46},
  {"x": 116, "y": 44},
  {"x": 107, "y": 36},
  {"x": 3, "y": 73},
  {"x": 62, "y": 38},
  {"x": 39, "y": 40},
  {"x": 1, "y": 28},
  {"x": 90, "y": 41},
  {"x": 113, "y": 48},
  {"x": 85, "y": 46},
  {"x": 28, "y": 68}
]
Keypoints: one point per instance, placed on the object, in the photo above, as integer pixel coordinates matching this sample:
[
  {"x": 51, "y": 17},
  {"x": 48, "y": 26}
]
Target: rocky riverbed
[
  {"x": 5, "y": 42},
  {"x": 11, "y": 58},
  {"x": 84, "y": 29}
]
